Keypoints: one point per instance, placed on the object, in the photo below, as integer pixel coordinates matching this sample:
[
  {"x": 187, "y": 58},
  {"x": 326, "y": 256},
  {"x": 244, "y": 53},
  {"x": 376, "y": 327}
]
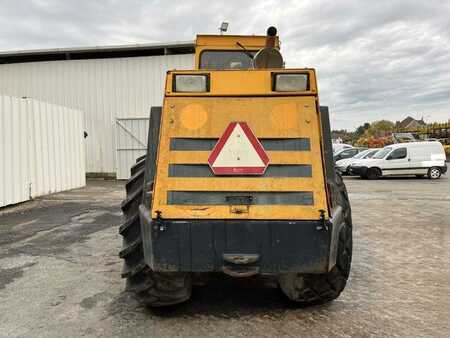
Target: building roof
[
  {"x": 97, "y": 52},
  {"x": 407, "y": 122}
]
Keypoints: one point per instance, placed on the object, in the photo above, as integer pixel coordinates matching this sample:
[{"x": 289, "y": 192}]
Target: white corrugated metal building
[{"x": 114, "y": 86}]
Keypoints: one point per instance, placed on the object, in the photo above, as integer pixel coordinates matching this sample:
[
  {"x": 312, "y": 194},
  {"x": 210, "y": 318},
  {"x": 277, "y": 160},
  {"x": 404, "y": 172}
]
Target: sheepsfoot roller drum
[{"x": 238, "y": 179}]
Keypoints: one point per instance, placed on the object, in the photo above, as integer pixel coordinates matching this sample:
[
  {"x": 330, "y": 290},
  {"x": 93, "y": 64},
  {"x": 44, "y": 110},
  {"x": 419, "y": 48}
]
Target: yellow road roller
[{"x": 238, "y": 180}]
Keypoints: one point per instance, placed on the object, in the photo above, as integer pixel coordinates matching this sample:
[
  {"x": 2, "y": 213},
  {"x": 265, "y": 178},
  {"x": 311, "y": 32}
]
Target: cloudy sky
[{"x": 375, "y": 59}]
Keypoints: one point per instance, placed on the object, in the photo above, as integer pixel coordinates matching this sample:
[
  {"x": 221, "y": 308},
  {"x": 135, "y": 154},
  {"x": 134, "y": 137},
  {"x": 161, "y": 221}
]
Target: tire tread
[
  {"x": 152, "y": 288},
  {"x": 311, "y": 289}
]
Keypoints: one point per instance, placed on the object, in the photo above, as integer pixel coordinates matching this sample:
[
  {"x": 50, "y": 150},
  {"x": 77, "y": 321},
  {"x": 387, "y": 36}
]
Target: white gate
[
  {"x": 41, "y": 149},
  {"x": 131, "y": 136}
]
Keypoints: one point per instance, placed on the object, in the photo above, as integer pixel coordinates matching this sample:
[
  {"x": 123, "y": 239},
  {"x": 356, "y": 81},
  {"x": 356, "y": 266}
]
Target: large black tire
[
  {"x": 152, "y": 288},
  {"x": 310, "y": 289}
]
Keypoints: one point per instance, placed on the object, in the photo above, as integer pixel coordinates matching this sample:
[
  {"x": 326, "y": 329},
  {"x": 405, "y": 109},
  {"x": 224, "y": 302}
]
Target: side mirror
[{"x": 389, "y": 157}]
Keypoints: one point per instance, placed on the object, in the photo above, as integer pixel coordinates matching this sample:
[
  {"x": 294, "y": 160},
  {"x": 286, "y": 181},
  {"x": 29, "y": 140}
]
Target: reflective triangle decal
[{"x": 238, "y": 152}]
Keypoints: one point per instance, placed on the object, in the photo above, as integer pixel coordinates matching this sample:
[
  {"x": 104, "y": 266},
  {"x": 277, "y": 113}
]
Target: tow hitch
[{"x": 240, "y": 265}]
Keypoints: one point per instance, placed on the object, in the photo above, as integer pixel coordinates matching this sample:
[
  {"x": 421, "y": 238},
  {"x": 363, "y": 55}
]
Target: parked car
[
  {"x": 346, "y": 153},
  {"x": 343, "y": 165},
  {"x": 415, "y": 158},
  {"x": 339, "y": 146}
]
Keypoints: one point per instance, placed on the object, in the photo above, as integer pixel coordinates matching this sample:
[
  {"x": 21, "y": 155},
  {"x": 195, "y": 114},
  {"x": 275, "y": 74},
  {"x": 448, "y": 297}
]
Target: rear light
[
  {"x": 189, "y": 83},
  {"x": 290, "y": 82}
]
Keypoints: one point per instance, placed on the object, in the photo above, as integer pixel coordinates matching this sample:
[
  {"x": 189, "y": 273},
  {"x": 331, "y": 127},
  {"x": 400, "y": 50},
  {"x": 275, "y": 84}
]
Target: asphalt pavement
[{"x": 60, "y": 273}]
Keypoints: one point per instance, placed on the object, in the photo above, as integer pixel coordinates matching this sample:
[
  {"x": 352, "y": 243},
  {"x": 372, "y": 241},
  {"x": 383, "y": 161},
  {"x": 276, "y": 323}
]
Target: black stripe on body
[
  {"x": 232, "y": 198},
  {"x": 273, "y": 170},
  {"x": 205, "y": 144}
]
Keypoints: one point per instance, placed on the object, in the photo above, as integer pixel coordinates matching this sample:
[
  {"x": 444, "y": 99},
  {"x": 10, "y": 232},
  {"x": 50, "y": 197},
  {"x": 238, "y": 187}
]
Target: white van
[{"x": 415, "y": 158}]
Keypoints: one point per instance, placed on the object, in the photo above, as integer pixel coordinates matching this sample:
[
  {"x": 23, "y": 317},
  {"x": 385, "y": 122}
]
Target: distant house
[{"x": 410, "y": 122}]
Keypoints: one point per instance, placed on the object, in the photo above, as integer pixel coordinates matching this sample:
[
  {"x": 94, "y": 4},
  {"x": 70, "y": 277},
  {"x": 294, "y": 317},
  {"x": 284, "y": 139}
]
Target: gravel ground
[{"x": 60, "y": 274}]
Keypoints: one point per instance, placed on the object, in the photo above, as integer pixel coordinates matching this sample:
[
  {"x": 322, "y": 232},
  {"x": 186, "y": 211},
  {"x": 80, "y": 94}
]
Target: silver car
[{"x": 343, "y": 165}]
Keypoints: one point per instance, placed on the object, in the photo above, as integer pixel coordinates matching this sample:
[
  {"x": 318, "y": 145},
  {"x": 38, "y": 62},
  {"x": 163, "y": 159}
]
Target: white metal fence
[
  {"x": 131, "y": 143},
  {"x": 41, "y": 149}
]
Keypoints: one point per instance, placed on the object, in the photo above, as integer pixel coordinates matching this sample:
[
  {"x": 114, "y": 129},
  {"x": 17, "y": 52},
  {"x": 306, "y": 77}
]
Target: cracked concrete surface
[{"x": 60, "y": 274}]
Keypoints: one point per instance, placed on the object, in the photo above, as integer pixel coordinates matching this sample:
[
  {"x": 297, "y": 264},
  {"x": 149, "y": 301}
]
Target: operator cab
[{"x": 222, "y": 52}]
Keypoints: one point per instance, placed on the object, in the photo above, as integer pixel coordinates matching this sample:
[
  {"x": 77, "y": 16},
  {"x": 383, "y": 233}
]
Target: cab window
[
  {"x": 225, "y": 59},
  {"x": 398, "y": 154}
]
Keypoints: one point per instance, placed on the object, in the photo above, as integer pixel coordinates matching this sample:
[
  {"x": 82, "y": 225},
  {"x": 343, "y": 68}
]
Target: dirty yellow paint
[
  {"x": 193, "y": 116},
  {"x": 254, "y": 82},
  {"x": 258, "y": 111},
  {"x": 286, "y": 212},
  {"x": 240, "y": 184},
  {"x": 284, "y": 116},
  {"x": 240, "y": 96}
]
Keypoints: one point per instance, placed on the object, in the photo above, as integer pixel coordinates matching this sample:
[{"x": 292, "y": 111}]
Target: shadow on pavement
[{"x": 230, "y": 298}]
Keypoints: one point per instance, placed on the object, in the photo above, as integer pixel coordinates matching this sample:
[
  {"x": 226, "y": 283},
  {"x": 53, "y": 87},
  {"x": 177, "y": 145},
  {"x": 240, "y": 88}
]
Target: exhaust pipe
[
  {"x": 269, "y": 56},
  {"x": 270, "y": 38}
]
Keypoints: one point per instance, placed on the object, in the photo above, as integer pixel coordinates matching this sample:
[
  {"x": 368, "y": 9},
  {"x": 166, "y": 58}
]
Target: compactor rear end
[{"x": 238, "y": 179}]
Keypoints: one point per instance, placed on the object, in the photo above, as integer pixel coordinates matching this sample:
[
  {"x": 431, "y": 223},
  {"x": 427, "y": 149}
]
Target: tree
[
  {"x": 381, "y": 128},
  {"x": 362, "y": 129}
]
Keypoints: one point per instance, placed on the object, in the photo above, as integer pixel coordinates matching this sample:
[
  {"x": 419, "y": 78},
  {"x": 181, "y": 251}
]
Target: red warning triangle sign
[{"x": 238, "y": 152}]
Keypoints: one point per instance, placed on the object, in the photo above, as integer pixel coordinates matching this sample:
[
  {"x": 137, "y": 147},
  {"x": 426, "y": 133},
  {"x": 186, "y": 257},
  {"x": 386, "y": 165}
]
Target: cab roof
[{"x": 230, "y": 41}]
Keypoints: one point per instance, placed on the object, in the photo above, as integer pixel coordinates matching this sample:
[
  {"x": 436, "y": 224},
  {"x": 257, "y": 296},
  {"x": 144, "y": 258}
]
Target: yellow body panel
[
  {"x": 272, "y": 212},
  {"x": 270, "y": 117},
  {"x": 253, "y": 82},
  {"x": 235, "y": 96}
]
